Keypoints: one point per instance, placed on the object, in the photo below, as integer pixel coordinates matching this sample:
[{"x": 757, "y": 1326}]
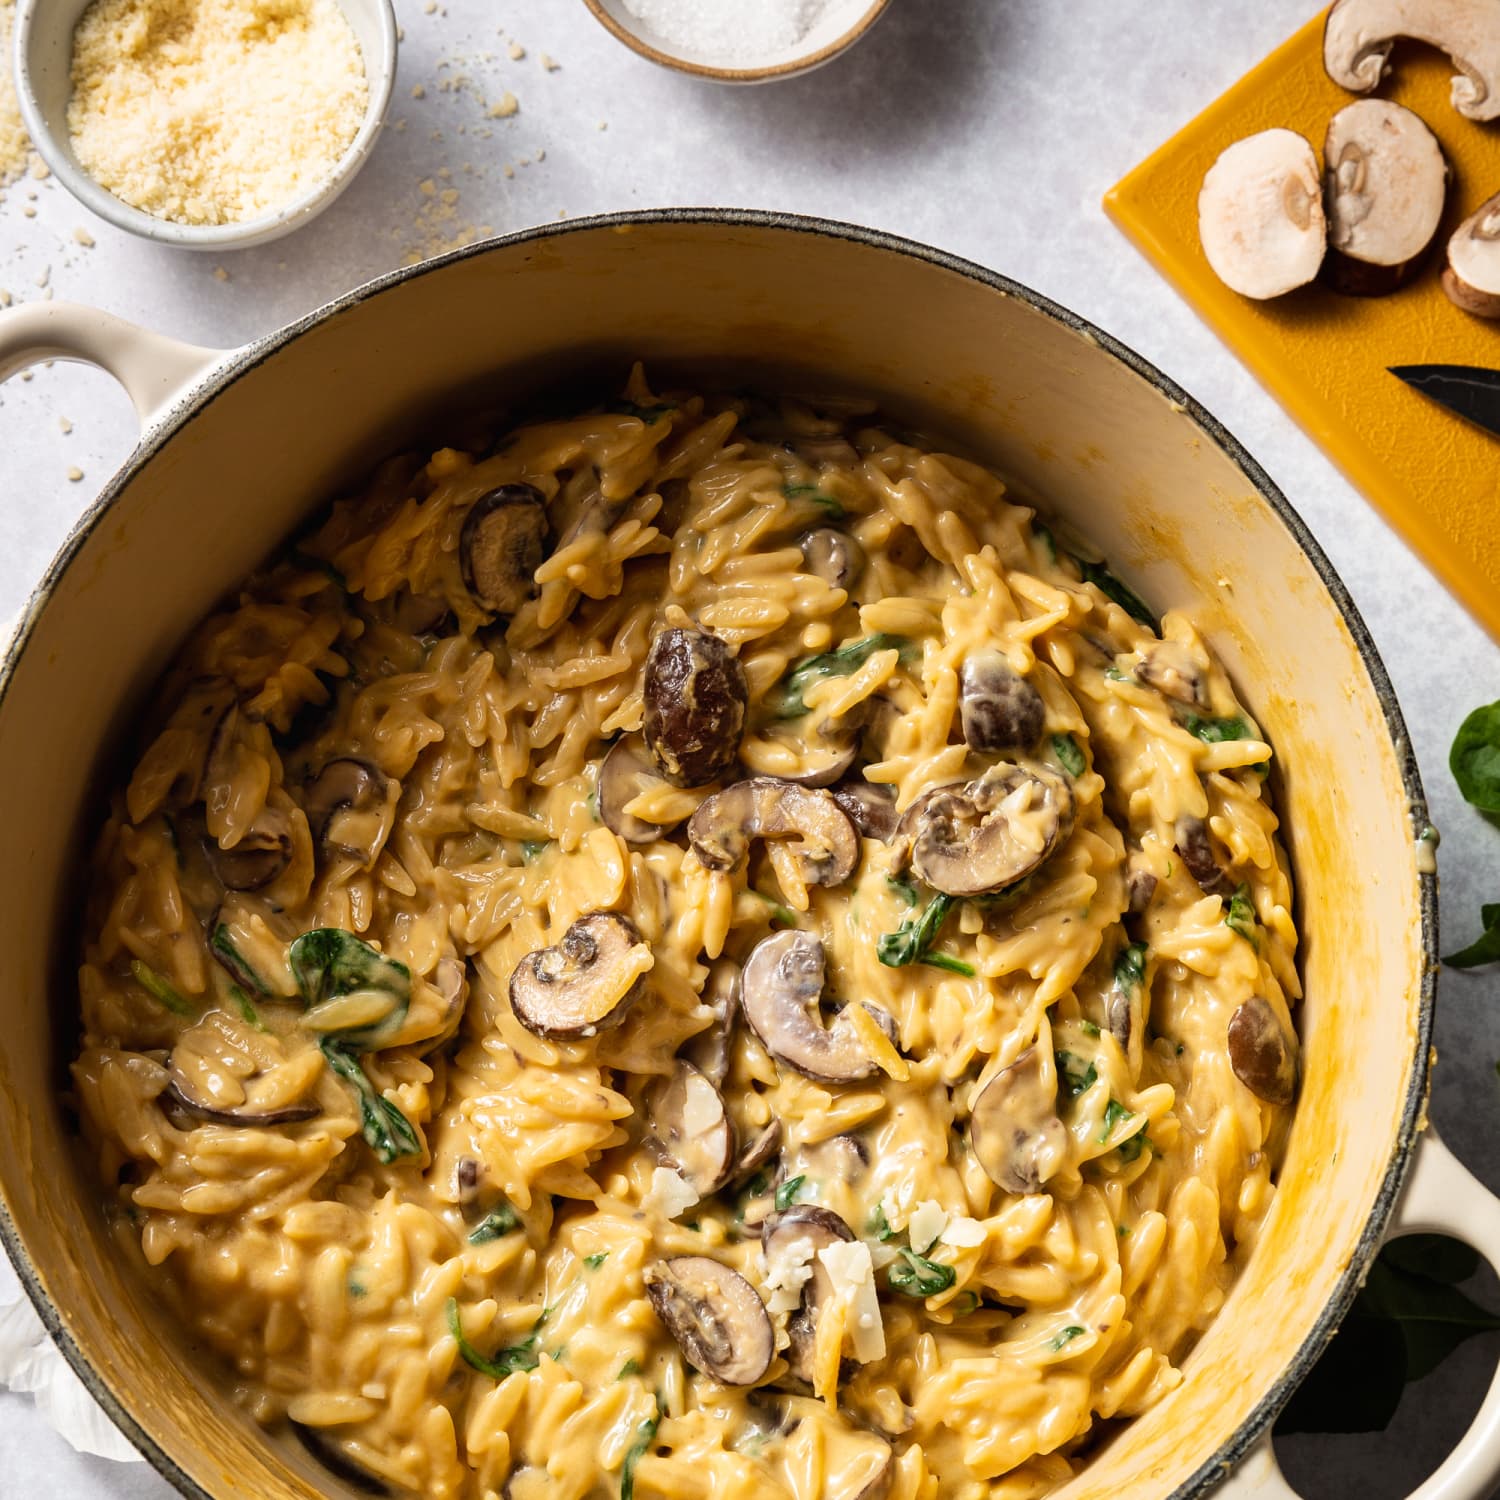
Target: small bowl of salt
[{"x": 739, "y": 41}]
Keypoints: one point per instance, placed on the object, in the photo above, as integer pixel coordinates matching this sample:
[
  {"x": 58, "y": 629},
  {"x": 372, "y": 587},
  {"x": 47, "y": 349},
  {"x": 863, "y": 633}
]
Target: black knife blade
[{"x": 1466, "y": 390}]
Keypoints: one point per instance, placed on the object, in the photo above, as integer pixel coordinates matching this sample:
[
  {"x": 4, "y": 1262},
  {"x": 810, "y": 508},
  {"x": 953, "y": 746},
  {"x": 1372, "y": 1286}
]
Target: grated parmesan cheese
[
  {"x": 214, "y": 111},
  {"x": 14, "y": 142}
]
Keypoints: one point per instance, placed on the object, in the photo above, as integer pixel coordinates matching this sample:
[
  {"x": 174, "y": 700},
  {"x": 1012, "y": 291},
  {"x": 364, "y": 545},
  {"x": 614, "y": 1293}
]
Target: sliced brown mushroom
[
  {"x": 692, "y": 1130},
  {"x": 780, "y": 993},
  {"x": 833, "y": 556},
  {"x": 1196, "y": 850},
  {"x": 502, "y": 544},
  {"x": 350, "y": 808},
  {"x": 870, "y": 805},
  {"x": 625, "y": 773},
  {"x": 709, "y": 1050},
  {"x": 1169, "y": 667},
  {"x": 695, "y": 696},
  {"x": 451, "y": 981},
  {"x": 333, "y": 1458},
  {"x": 1014, "y": 1129},
  {"x": 180, "y": 1097},
  {"x": 1472, "y": 277},
  {"x": 1359, "y": 35},
  {"x": 758, "y": 1152},
  {"x": 998, "y": 708},
  {"x": 249, "y": 938},
  {"x": 1260, "y": 215},
  {"x": 1140, "y": 886},
  {"x": 263, "y": 852},
  {"x": 763, "y": 808},
  {"x": 1386, "y": 184},
  {"x": 801, "y": 1231},
  {"x": 715, "y": 1315},
  {"x": 972, "y": 839},
  {"x": 1260, "y": 1054},
  {"x": 583, "y": 984},
  {"x": 822, "y": 758}
]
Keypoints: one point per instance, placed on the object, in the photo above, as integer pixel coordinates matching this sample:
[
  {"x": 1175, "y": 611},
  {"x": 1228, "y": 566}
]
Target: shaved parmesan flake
[
  {"x": 670, "y": 1193},
  {"x": 927, "y": 1222},
  {"x": 964, "y": 1233},
  {"x": 853, "y": 1276}
]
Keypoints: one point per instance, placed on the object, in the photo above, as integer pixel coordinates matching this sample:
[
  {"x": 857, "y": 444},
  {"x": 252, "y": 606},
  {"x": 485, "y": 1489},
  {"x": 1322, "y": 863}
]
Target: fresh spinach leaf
[
  {"x": 1066, "y": 1336},
  {"x": 630, "y": 1367},
  {"x": 1475, "y": 758},
  {"x": 1074, "y": 1073},
  {"x": 248, "y": 1013},
  {"x": 1240, "y": 917},
  {"x": 914, "y": 1275},
  {"x": 593, "y": 1262},
  {"x": 501, "y": 1219},
  {"x": 645, "y": 1435},
  {"x": 1216, "y": 731},
  {"x": 328, "y": 962},
  {"x": 787, "y": 1193},
  {"x": 1069, "y": 756},
  {"x": 503, "y": 1362},
  {"x": 161, "y": 990},
  {"x": 388, "y": 1131},
  {"x": 849, "y": 658},
  {"x": 880, "y": 1226},
  {"x": 1130, "y": 968},
  {"x": 1485, "y": 949},
  {"x": 911, "y": 942},
  {"x": 1111, "y": 587}
]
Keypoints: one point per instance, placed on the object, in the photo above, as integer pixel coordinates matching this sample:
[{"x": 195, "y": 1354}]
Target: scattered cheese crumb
[
  {"x": 74, "y": 475},
  {"x": 29, "y": 211},
  {"x": 65, "y": 424},
  {"x": 603, "y": 124},
  {"x": 418, "y": 91},
  {"x": 787, "y": 1272},
  {"x": 220, "y": 274},
  {"x": 504, "y": 107},
  {"x": 39, "y": 169},
  {"x": 551, "y": 64},
  {"x": 44, "y": 276},
  {"x": 430, "y": 8},
  {"x": 670, "y": 1193},
  {"x": 214, "y": 111},
  {"x": 517, "y": 51},
  {"x": 5, "y": 297},
  {"x": 27, "y": 374},
  {"x": 84, "y": 238},
  {"x": 928, "y": 1220},
  {"x": 14, "y": 142}
]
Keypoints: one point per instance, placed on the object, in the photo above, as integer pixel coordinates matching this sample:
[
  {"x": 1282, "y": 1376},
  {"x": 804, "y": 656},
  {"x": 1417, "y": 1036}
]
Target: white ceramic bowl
[
  {"x": 844, "y": 24},
  {"x": 43, "y": 59}
]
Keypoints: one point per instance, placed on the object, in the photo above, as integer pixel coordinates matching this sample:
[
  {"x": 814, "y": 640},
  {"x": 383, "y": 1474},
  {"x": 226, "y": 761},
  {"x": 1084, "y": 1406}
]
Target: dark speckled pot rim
[{"x": 239, "y": 362}]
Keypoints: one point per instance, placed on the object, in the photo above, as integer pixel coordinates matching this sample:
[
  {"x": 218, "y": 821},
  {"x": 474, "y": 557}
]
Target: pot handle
[
  {"x": 1441, "y": 1196},
  {"x": 154, "y": 369}
]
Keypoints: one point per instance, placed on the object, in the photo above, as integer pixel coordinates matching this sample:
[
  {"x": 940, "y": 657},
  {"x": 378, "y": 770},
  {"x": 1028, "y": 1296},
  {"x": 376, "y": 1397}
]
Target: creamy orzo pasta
[{"x": 700, "y": 951}]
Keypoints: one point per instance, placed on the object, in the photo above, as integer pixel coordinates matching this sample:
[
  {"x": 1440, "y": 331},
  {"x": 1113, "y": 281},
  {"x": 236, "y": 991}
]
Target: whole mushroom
[
  {"x": 692, "y": 1130},
  {"x": 1260, "y": 1054},
  {"x": 780, "y": 993},
  {"x": 715, "y": 1315},
  {"x": 998, "y": 708},
  {"x": 585, "y": 983},
  {"x": 350, "y": 807},
  {"x": 695, "y": 698}
]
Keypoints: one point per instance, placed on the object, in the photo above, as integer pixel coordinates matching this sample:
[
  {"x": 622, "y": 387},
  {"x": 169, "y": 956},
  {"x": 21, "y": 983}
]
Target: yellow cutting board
[{"x": 1435, "y": 478}]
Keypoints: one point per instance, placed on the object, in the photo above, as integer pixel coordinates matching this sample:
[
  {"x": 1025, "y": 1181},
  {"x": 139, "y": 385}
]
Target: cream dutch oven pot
[{"x": 237, "y": 447}]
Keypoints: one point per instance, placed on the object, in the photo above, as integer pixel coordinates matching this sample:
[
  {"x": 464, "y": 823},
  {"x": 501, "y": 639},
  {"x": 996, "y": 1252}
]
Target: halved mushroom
[
  {"x": 1387, "y": 182},
  {"x": 1472, "y": 277},
  {"x": 263, "y": 852},
  {"x": 502, "y": 544},
  {"x": 1169, "y": 668},
  {"x": 833, "y": 556},
  {"x": 333, "y": 1458},
  {"x": 695, "y": 697},
  {"x": 797, "y": 1235},
  {"x": 870, "y": 806},
  {"x": 180, "y": 1096},
  {"x": 583, "y": 984},
  {"x": 709, "y": 1050},
  {"x": 1140, "y": 886},
  {"x": 780, "y": 992},
  {"x": 692, "y": 1130},
  {"x": 1014, "y": 1129},
  {"x": 715, "y": 1315},
  {"x": 350, "y": 809},
  {"x": 625, "y": 773},
  {"x": 762, "y": 808},
  {"x": 998, "y": 708},
  {"x": 1196, "y": 851},
  {"x": 985, "y": 835},
  {"x": 1359, "y": 35},
  {"x": 1260, "y": 1054},
  {"x": 1260, "y": 215}
]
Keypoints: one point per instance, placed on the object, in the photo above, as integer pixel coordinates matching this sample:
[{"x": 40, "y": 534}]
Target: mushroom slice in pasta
[
  {"x": 1196, "y": 850},
  {"x": 715, "y": 1315},
  {"x": 502, "y": 544},
  {"x": 790, "y": 1241},
  {"x": 762, "y": 808},
  {"x": 686, "y": 1117},
  {"x": 1169, "y": 668},
  {"x": 870, "y": 806},
  {"x": 1014, "y": 1129},
  {"x": 834, "y": 556},
  {"x": 780, "y": 993},
  {"x": 221, "y": 1074},
  {"x": 978, "y": 838},
  {"x": 624, "y": 774},
  {"x": 264, "y": 850},
  {"x": 351, "y": 807},
  {"x": 709, "y": 1050},
  {"x": 584, "y": 983},
  {"x": 1260, "y": 1054},
  {"x": 998, "y": 709}
]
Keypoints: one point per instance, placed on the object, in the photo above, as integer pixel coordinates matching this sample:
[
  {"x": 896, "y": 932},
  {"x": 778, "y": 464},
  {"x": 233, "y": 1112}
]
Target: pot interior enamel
[{"x": 1015, "y": 382}]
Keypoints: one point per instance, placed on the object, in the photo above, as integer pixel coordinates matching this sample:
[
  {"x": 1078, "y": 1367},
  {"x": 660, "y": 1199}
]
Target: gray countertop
[{"x": 988, "y": 127}]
